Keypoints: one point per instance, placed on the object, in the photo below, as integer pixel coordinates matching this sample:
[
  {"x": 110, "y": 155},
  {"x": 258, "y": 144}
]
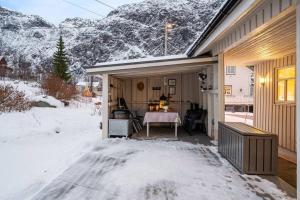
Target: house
[
  {"x": 84, "y": 86},
  {"x": 4, "y": 69},
  {"x": 239, "y": 88},
  {"x": 260, "y": 33}
]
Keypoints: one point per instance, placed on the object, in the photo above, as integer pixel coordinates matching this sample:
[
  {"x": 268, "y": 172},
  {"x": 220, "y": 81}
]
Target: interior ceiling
[{"x": 277, "y": 40}]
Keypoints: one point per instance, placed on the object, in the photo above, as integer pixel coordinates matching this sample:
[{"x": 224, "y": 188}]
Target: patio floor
[{"x": 159, "y": 169}]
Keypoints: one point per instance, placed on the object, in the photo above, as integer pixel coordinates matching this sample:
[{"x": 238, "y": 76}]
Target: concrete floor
[
  {"x": 139, "y": 169},
  {"x": 286, "y": 179},
  {"x": 169, "y": 133}
]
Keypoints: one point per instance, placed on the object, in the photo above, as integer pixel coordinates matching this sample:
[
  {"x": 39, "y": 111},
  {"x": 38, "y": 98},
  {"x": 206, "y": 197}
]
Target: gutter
[{"x": 226, "y": 9}]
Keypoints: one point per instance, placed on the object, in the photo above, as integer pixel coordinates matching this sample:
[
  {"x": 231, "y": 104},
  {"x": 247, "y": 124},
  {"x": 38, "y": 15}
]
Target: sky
[{"x": 56, "y": 11}]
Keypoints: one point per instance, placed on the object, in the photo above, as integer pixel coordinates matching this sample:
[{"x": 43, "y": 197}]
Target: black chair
[{"x": 195, "y": 118}]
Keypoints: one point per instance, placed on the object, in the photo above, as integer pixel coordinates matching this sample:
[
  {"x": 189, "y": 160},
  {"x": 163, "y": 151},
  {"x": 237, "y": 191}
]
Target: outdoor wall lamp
[{"x": 262, "y": 81}]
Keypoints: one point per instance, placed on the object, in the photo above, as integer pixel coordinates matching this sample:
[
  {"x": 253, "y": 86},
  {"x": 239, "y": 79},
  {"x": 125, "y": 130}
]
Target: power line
[
  {"x": 105, "y": 4},
  {"x": 83, "y": 8}
]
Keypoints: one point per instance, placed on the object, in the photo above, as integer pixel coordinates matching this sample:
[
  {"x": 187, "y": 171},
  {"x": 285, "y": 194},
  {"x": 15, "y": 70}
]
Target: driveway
[{"x": 119, "y": 169}]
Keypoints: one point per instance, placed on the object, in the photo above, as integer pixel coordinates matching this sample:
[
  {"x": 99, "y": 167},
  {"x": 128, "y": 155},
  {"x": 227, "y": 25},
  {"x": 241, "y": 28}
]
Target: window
[
  {"x": 230, "y": 70},
  {"x": 286, "y": 85}
]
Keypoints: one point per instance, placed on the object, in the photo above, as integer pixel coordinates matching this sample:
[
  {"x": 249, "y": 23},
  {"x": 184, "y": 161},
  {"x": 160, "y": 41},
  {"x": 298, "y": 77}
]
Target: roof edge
[
  {"x": 139, "y": 61},
  {"x": 225, "y": 10}
]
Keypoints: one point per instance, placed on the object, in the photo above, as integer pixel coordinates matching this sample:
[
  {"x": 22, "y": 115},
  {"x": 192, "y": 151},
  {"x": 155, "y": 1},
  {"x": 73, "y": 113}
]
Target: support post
[
  {"x": 105, "y": 105},
  {"x": 176, "y": 125},
  {"x": 297, "y": 92},
  {"x": 221, "y": 87},
  {"x": 148, "y": 126}
]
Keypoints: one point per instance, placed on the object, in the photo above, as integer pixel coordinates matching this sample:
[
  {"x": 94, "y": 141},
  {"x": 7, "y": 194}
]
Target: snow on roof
[
  {"x": 1, "y": 57},
  {"x": 142, "y": 60}
]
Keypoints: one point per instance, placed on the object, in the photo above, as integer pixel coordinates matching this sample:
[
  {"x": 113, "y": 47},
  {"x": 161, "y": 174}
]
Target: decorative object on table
[
  {"x": 153, "y": 107},
  {"x": 172, "y": 90},
  {"x": 166, "y": 108},
  {"x": 172, "y": 82},
  {"x": 140, "y": 86},
  {"x": 163, "y": 101}
]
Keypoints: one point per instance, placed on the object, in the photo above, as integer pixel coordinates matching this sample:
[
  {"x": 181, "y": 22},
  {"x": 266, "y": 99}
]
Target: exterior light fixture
[{"x": 262, "y": 80}]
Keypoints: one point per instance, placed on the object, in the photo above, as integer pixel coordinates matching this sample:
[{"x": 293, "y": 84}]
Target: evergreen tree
[{"x": 60, "y": 62}]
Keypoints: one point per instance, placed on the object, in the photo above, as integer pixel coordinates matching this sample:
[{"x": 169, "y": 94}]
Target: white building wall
[{"x": 240, "y": 83}]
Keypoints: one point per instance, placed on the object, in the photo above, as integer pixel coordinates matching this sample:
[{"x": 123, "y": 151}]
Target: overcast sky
[{"x": 56, "y": 11}]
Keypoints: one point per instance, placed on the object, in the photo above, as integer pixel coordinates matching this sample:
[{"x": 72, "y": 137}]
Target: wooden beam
[
  {"x": 221, "y": 83},
  {"x": 105, "y": 105},
  {"x": 298, "y": 93}
]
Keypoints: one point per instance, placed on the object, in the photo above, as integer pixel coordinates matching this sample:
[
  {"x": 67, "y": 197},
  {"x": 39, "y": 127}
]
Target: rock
[{"x": 41, "y": 104}]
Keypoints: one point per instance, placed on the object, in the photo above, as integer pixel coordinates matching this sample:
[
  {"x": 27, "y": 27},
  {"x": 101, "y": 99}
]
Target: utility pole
[{"x": 168, "y": 28}]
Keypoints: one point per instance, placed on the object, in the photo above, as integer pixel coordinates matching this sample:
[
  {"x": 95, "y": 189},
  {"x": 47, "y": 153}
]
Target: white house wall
[{"x": 240, "y": 83}]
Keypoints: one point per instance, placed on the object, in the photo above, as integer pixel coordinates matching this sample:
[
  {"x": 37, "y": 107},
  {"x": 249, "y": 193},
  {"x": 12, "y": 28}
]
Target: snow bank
[
  {"x": 49, "y": 99},
  {"x": 32, "y": 91},
  {"x": 37, "y": 145}
]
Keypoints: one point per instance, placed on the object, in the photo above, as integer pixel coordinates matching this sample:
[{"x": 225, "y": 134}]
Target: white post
[
  {"x": 105, "y": 105},
  {"x": 298, "y": 93},
  {"x": 221, "y": 87},
  {"x": 176, "y": 129},
  {"x": 148, "y": 126}
]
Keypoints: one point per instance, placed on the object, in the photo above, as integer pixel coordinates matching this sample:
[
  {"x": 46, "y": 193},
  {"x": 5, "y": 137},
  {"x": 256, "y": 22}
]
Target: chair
[{"x": 195, "y": 118}]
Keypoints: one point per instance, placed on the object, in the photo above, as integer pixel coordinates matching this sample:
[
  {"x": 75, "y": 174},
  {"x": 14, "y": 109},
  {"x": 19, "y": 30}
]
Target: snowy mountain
[{"x": 131, "y": 31}]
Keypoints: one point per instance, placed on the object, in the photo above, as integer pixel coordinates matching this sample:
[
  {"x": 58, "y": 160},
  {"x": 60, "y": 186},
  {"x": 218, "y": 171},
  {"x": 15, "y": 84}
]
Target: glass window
[
  {"x": 230, "y": 70},
  {"x": 286, "y": 84},
  {"x": 281, "y": 92},
  {"x": 291, "y": 90},
  {"x": 287, "y": 73}
]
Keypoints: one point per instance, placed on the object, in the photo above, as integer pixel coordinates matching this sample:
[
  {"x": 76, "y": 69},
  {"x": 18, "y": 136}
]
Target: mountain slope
[{"x": 131, "y": 31}]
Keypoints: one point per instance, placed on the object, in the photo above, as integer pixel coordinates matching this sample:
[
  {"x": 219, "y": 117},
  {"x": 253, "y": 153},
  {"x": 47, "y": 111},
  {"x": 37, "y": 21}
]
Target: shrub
[
  {"x": 12, "y": 99},
  {"x": 58, "y": 88}
]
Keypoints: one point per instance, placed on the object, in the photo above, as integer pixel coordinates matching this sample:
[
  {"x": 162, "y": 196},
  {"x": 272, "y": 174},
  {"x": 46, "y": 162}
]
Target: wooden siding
[
  {"x": 262, "y": 14},
  {"x": 187, "y": 91},
  {"x": 269, "y": 116}
]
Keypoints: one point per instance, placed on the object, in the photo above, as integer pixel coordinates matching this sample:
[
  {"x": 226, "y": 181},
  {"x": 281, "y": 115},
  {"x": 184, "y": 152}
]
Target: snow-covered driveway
[{"x": 119, "y": 169}]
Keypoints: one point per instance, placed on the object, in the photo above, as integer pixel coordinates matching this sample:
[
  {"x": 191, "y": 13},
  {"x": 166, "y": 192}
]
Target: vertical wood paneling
[{"x": 276, "y": 118}]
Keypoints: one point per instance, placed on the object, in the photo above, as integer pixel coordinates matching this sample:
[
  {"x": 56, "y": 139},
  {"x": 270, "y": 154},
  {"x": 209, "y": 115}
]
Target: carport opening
[{"x": 185, "y": 92}]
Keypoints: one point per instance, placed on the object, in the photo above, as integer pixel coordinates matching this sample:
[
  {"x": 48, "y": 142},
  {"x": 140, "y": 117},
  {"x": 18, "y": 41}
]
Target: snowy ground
[
  {"x": 39, "y": 144},
  {"x": 120, "y": 169},
  {"x": 56, "y": 153},
  {"x": 243, "y": 117}
]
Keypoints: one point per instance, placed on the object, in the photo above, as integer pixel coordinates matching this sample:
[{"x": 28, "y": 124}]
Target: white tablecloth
[{"x": 171, "y": 117}]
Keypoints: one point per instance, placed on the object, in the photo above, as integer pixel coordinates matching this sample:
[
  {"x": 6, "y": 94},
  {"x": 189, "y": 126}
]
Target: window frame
[
  {"x": 230, "y": 67},
  {"x": 285, "y": 86}
]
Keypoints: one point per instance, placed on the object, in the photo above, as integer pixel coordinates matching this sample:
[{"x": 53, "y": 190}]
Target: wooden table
[{"x": 167, "y": 117}]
